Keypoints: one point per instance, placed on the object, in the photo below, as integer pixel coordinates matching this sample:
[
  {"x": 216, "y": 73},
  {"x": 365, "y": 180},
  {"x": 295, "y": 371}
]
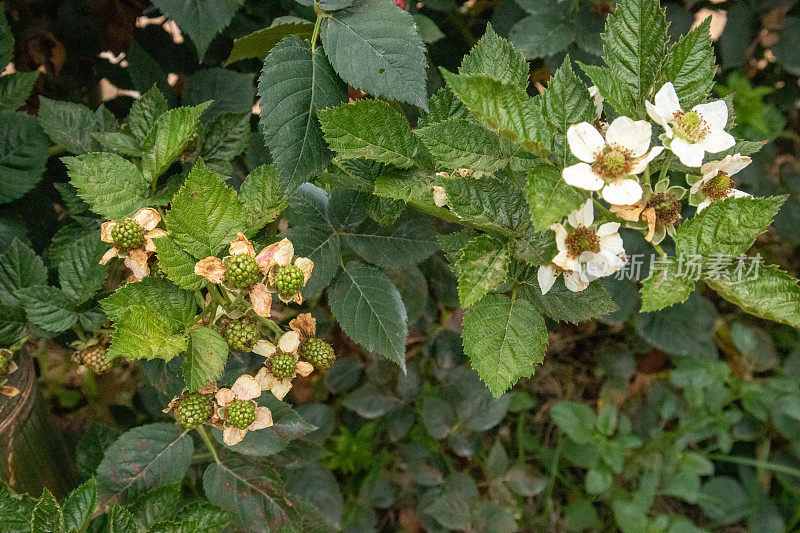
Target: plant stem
[
  {"x": 273, "y": 326},
  {"x": 755, "y": 463},
  {"x": 209, "y": 443},
  {"x": 317, "y": 24},
  {"x": 665, "y": 166}
]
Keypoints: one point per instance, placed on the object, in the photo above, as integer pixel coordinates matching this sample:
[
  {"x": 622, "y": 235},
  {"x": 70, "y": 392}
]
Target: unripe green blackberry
[
  {"x": 288, "y": 280},
  {"x": 93, "y": 358},
  {"x": 282, "y": 366},
  {"x": 241, "y": 334},
  {"x": 127, "y": 234},
  {"x": 318, "y": 352},
  {"x": 241, "y": 413},
  {"x": 241, "y": 271},
  {"x": 193, "y": 410}
]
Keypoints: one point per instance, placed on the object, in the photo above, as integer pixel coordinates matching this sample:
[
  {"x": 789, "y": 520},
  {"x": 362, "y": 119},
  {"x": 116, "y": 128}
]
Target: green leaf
[
  {"x": 442, "y": 105},
  {"x": 97, "y": 177},
  {"x": 728, "y": 227},
  {"x": 12, "y": 324},
  {"x": 70, "y": 125},
  {"x": 428, "y": 31},
  {"x": 490, "y": 201},
  {"x": 171, "y": 133},
  {"x": 222, "y": 140},
  {"x": 294, "y": 84},
  {"x": 315, "y": 486},
  {"x": 545, "y": 31},
  {"x": 346, "y": 209},
  {"x": 145, "y": 111},
  {"x": 482, "y": 267},
  {"x": 504, "y": 340},
  {"x": 122, "y": 143},
  {"x": 6, "y": 42},
  {"x": 504, "y": 107},
  {"x": 231, "y": 92},
  {"x": 462, "y": 143},
  {"x": 634, "y": 46},
  {"x": 200, "y": 517},
  {"x": 773, "y": 294},
  {"x": 143, "y": 333},
  {"x": 615, "y": 93},
  {"x": 15, "y": 509},
  {"x": 259, "y": 43},
  {"x": 549, "y": 196},
  {"x": 158, "y": 505},
  {"x": 690, "y": 65},
  {"x": 205, "y": 214},
  {"x": 665, "y": 287},
  {"x": 577, "y": 420},
  {"x": 23, "y": 154},
  {"x": 201, "y": 20},
  {"x": 374, "y": 46},
  {"x": 158, "y": 294},
  {"x": 408, "y": 242},
  {"x": 79, "y": 506},
  {"x": 496, "y": 58},
  {"x": 372, "y": 129},
  {"x": 121, "y": 521},
  {"x": 261, "y": 195},
  {"x": 178, "y": 265},
  {"x": 205, "y": 358},
  {"x": 683, "y": 329},
  {"x": 20, "y": 267},
  {"x": 253, "y": 491},
  {"x": 47, "y": 517},
  {"x": 142, "y": 458},
  {"x": 80, "y": 273},
  {"x": 15, "y": 89},
  {"x": 370, "y": 310},
  {"x": 567, "y": 100},
  {"x": 48, "y": 308},
  {"x": 563, "y": 305}
]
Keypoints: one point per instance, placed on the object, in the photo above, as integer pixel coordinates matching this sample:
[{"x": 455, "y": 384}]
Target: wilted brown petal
[
  {"x": 105, "y": 231},
  {"x": 263, "y": 419},
  {"x": 289, "y": 342},
  {"x": 305, "y": 325},
  {"x": 109, "y": 255},
  {"x": 136, "y": 260},
  {"x": 148, "y": 218},
  {"x": 211, "y": 268},
  {"x": 261, "y": 299},
  {"x": 246, "y": 387},
  {"x": 225, "y": 397},
  {"x": 232, "y": 436},
  {"x": 303, "y": 368}
]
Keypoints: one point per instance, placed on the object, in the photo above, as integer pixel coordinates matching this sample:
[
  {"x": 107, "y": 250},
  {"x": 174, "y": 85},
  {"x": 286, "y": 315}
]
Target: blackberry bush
[
  {"x": 318, "y": 352},
  {"x": 241, "y": 334},
  {"x": 127, "y": 234},
  {"x": 282, "y": 366},
  {"x": 241, "y": 271},
  {"x": 241, "y": 413},
  {"x": 288, "y": 280}
]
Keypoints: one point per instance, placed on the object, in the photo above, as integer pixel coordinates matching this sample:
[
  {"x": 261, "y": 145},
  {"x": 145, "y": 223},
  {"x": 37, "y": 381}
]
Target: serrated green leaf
[
  {"x": 408, "y": 242},
  {"x": 122, "y": 143},
  {"x": 567, "y": 100},
  {"x": 427, "y": 29},
  {"x": 20, "y": 267},
  {"x": 370, "y": 310},
  {"x": 205, "y": 214},
  {"x": 23, "y": 154},
  {"x": 69, "y": 125},
  {"x": 198, "y": 518},
  {"x": 372, "y": 129},
  {"x": 222, "y": 140},
  {"x": 80, "y": 273},
  {"x": 615, "y": 93},
  {"x": 145, "y": 111},
  {"x": 634, "y": 46},
  {"x": 442, "y": 105},
  {"x": 545, "y": 31},
  {"x": 12, "y": 324},
  {"x": 201, "y": 20},
  {"x": 159, "y": 294},
  {"x": 262, "y": 198},
  {"x": 259, "y": 43},
  {"x": 504, "y": 107},
  {"x": 97, "y": 177},
  {"x": 577, "y": 420},
  {"x": 462, "y": 143},
  {"x": 346, "y": 209},
  {"x": 48, "y": 308},
  {"x": 549, "y": 196},
  {"x": 728, "y": 227},
  {"x": 563, "y": 305},
  {"x": 324, "y": 249},
  {"x": 482, "y": 267},
  {"x": 141, "y": 332},
  {"x": 665, "y": 287},
  {"x": 374, "y": 46},
  {"x": 170, "y": 134},
  {"x": 683, "y": 329},
  {"x": 178, "y": 265},
  {"x": 690, "y": 65},
  {"x": 15, "y": 509},
  {"x": 294, "y": 84},
  {"x": 496, "y": 58},
  {"x": 79, "y": 506},
  {"x": 158, "y": 505},
  {"x": 47, "y": 517},
  {"x": 490, "y": 201},
  {"x": 205, "y": 358},
  {"x": 142, "y": 458},
  {"x": 231, "y": 92},
  {"x": 15, "y": 89},
  {"x": 772, "y": 294},
  {"x": 121, "y": 521},
  {"x": 504, "y": 340}
]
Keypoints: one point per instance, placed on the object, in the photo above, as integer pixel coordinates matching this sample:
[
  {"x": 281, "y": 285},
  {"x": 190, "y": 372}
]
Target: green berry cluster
[
  {"x": 318, "y": 352},
  {"x": 241, "y": 334},
  {"x": 282, "y": 366},
  {"x": 241, "y": 413},
  {"x": 93, "y": 358},
  {"x": 127, "y": 234},
  {"x": 193, "y": 410},
  {"x": 288, "y": 280},
  {"x": 241, "y": 271}
]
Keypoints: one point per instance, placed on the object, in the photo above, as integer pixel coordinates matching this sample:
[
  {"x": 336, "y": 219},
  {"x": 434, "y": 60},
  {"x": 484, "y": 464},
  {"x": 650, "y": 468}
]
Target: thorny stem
[{"x": 209, "y": 444}]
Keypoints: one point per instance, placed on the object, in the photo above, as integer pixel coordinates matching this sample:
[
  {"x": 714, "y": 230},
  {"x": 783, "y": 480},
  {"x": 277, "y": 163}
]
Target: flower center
[
  {"x": 612, "y": 163},
  {"x": 718, "y": 187},
  {"x": 581, "y": 240},
  {"x": 690, "y": 126},
  {"x": 667, "y": 208}
]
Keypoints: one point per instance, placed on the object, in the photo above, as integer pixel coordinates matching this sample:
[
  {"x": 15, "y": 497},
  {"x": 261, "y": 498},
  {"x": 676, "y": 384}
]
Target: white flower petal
[
  {"x": 631, "y": 135},
  {"x": 717, "y": 140},
  {"x": 666, "y": 101},
  {"x": 609, "y": 228},
  {"x": 689, "y": 154},
  {"x": 622, "y": 192},
  {"x": 582, "y": 176},
  {"x": 715, "y": 113},
  {"x": 659, "y": 119},
  {"x": 561, "y": 236},
  {"x": 612, "y": 243},
  {"x": 246, "y": 387},
  {"x": 585, "y": 141},
  {"x": 546, "y": 276},
  {"x": 736, "y": 193},
  {"x": 583, "y": 216},
  {"x": 702, "y": 205},
  {"x": 641, "y": 164},
  {"x": 574, "y": 282}
]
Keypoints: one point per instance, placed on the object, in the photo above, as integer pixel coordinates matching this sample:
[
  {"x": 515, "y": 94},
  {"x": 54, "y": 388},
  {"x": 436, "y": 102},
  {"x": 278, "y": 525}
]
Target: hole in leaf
[{"x": 381, "y": 70}]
